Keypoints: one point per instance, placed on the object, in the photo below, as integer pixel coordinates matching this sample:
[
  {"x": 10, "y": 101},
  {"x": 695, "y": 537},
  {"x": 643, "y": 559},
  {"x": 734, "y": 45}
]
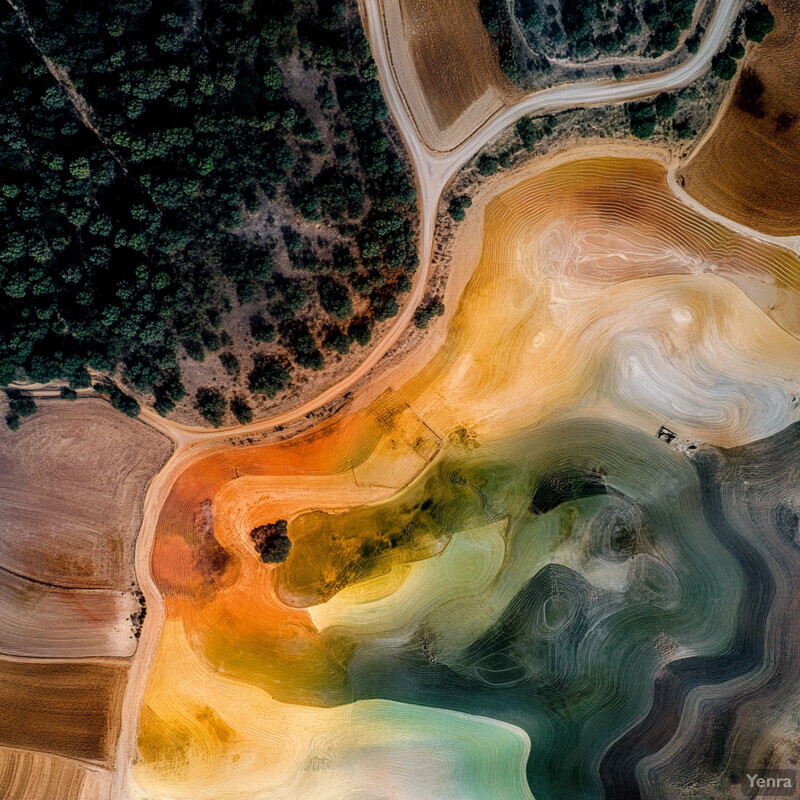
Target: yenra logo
[{"x": 769, "y": 783}]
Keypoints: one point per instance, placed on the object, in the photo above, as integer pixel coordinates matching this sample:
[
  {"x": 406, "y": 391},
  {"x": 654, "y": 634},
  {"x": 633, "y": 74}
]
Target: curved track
[{"x": 434, "y": 171}]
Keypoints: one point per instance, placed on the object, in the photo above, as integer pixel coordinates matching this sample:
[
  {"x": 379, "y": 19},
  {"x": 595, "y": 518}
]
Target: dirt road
[{"x": 433, "y": 171}]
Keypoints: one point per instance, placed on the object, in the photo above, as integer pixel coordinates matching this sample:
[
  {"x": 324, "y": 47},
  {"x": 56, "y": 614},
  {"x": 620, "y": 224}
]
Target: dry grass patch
[{"x": 25, "y": 775}]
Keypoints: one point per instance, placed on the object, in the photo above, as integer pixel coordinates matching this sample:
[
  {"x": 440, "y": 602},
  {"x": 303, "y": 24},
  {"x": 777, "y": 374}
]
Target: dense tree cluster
[
  {"x": 497, "y": 19},
  {"x": 591, "y": 28},
  {"x": 644, "y": 117},
  {"x": 136, "y": 138}
]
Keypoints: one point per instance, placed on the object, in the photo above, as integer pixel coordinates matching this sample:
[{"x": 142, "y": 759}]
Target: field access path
[
  {"x": 435, "y": 169},
  {"x": 433, "y": 172}
]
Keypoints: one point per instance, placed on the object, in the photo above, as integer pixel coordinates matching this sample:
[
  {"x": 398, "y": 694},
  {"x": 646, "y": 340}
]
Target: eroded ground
[{"x": 495, "y": 561}]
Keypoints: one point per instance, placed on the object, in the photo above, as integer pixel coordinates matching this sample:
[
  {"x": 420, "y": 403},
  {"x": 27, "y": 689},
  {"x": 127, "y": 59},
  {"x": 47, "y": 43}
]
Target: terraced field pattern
[{"x": 501, "y": 581}]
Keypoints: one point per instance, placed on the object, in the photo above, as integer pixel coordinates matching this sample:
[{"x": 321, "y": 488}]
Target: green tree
[
  {"x": 724, "y": 66},
  {"x": 212, "y": 405},
  {"x": 269, "y": 376},
  {"x": 527, "y": 132},
  {"x": 488, "y": 165},
  {"x": 758, "y": 22},
  {"x": 22, "y": 406},
  {"x": 335, "y": 298},
  {"x": 458, "y": 206},
  {"x": 242, "y": 410},
  {"x": 666, "y": 105}
]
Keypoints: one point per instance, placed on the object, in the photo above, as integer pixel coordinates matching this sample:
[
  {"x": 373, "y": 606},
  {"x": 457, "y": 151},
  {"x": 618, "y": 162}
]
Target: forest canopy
[{"x": 136, "y": 138}]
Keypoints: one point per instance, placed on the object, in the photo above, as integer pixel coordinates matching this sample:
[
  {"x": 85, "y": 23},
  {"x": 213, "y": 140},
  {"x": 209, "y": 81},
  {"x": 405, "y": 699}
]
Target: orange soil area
[
  {"x": 73, "y": 480},
  {"x": 454, "y": 57},
  {"x": 749, "y": 169},
  {"x": 206, "y": 565},
  {"x": 25, "y": 775},
  {"x": 69, "y": 709},
  {"x": 558, "y": 237}
]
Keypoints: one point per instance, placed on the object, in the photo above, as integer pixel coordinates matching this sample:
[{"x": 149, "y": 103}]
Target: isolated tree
[{"x": 272, "y": 541}]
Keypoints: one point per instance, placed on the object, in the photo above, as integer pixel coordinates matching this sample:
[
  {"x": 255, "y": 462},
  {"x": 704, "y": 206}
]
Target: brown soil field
[
  {"x": 749, "y": 167},
  {"x": 74, "y": 477},
  {"x": 66, "y": 709},
  {"x": 39, "y": 621},
  {"x": 25, "y": 775},
  {"x": 445, "y": 64}
]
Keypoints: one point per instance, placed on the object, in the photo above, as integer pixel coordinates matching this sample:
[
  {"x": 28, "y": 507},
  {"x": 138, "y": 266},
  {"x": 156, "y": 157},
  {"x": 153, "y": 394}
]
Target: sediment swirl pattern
[{"x": 502, "y": 581}]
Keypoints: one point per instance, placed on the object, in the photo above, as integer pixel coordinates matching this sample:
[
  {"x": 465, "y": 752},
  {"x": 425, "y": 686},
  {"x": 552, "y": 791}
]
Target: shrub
[
  {"x": 124, "y": 403},
  {"x": 527, "y": 133},
  {"x": 336, "y": 339},
  {"x": 211, "y": 340},
  {"x": 736, "y": 50},
  {"x": 334, "y": 298},
  {"x": 22, "y": 406},
  {"x": 212, "y": 405},
  {"x": 424, "y": 314},
  {"x": 68, "y": 394},
  {"x": 666, "y": 105},
  {"x": 642, "y": 117},
  {"x": 360, "y": 331},
  {"x": 241, "y": 410},
  {"x": 13, "y": 421},
  {"x": 261, "y": 330},
  {"x": 458, "y": 205},
  {"x": 268, "y": 376},
  {"x": 488, "y": 165},
  {"x": 230, "y": 363}
]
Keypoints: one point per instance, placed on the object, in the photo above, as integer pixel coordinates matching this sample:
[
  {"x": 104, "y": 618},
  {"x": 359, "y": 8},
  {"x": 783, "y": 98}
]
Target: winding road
[{"x": 433, "y": 171}]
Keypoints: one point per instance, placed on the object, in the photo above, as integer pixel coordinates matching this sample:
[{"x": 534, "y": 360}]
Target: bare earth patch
[
  {"x": 749, "y": 168},
  {"x": 74, "y": 480}
]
